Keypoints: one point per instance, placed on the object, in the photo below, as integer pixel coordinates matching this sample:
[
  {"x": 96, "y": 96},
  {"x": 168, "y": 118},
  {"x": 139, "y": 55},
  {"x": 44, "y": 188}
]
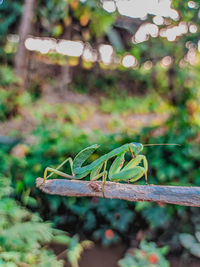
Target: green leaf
[
  {"x": 61, "y": 239},
  {"x": 187, "y": 240},
  {"x": 195, "y": 250}
]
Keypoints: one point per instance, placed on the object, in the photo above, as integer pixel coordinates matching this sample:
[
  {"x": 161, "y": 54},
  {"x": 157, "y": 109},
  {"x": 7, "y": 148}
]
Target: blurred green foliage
[
  {"x": 24, "y": 236},
  {"x": 191, "y": 243},
  {"x": 54, "y": 16},
  {"x": 9, "y": 93},
  {"x": 148, "y": 255},
  {"x": 10, "y": 12},
  {"x": 57, "y": 135},
  {"x": 55, "y": 142},
  {"x": 8, "y": 104},
  {"x": 137, "y": 105},
  {"x": 190, "y": 238}
]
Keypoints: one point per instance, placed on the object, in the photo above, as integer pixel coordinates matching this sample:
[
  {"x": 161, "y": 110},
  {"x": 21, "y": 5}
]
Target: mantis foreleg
[
  {"x": 117, "y": 164},
  {"x": 131, "y": 172},
  {"x": 136, "y": 161}
]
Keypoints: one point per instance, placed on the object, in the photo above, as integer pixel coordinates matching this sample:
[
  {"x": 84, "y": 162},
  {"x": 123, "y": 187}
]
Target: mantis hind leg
[
  {"x": 65, "y": 161},
  {"x": 95, "y": 175},
  {"x": 55, "y": 171},
  {"x": 104, "y": 176}
]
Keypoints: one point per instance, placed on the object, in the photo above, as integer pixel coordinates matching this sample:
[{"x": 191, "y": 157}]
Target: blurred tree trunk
[
  {"x": 65, "y": 77},
  {"x": 21, "y": 58}
]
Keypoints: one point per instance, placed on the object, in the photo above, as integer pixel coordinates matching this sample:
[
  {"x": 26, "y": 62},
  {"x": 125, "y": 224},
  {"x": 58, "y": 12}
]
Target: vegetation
[
  {"x": 25, "y": 237},
  {"x": 148, "y": 255}
]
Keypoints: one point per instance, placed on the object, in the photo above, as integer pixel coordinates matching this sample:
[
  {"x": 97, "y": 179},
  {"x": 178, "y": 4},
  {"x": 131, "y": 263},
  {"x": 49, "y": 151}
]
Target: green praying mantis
[{"x": 131, "y": 172}]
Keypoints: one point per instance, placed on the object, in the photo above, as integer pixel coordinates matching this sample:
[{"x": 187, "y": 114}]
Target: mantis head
[{"x": 136, "y": 148}]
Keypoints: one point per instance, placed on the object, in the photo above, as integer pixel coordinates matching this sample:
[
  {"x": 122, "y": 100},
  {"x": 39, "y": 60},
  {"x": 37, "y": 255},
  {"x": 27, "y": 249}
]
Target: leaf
[
  {"x": 164, "y": 250},
  {"x": 197, "y": 234},
  {"x": 115, "y": 39},
  {"x": 74, "y": 251},
  {"x": 195, "y": 250},
  {"x": 187, "y": 240},
  {"x": 61, "y": 239},
  {"x": 87, "y": 244},
  {"x": 156, "y": 216},
  {"x": 10, "y": 256}
]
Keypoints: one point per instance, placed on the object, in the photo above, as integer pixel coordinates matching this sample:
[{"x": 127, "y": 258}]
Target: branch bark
[{"x": 179, "y": 195}]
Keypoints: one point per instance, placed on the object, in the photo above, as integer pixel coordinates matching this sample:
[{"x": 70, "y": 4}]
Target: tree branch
[{"x": 179, "y": 195}]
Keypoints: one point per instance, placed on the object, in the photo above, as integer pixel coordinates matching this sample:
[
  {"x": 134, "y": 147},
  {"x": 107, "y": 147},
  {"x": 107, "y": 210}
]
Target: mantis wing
[{"x": 83, "y": 155}]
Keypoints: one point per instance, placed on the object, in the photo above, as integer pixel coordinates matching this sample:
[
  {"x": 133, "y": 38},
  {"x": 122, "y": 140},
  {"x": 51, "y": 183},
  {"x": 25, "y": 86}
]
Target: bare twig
[{"x": 179, "y": 195}]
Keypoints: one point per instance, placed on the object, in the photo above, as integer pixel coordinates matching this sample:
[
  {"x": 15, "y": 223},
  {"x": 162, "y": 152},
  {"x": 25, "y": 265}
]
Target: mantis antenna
[{"x": 161, "y": 145}]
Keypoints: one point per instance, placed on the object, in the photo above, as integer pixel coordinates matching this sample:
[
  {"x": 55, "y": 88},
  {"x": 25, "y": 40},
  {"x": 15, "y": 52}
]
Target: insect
[{"x": 131, "y": 172}]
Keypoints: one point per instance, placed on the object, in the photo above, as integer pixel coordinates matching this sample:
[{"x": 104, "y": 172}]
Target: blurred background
[{"x": 78, "y": 72}]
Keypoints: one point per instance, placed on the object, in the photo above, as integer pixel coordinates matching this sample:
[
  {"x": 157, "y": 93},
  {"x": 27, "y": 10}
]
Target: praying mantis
[{"x": 131, "y": 172}]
